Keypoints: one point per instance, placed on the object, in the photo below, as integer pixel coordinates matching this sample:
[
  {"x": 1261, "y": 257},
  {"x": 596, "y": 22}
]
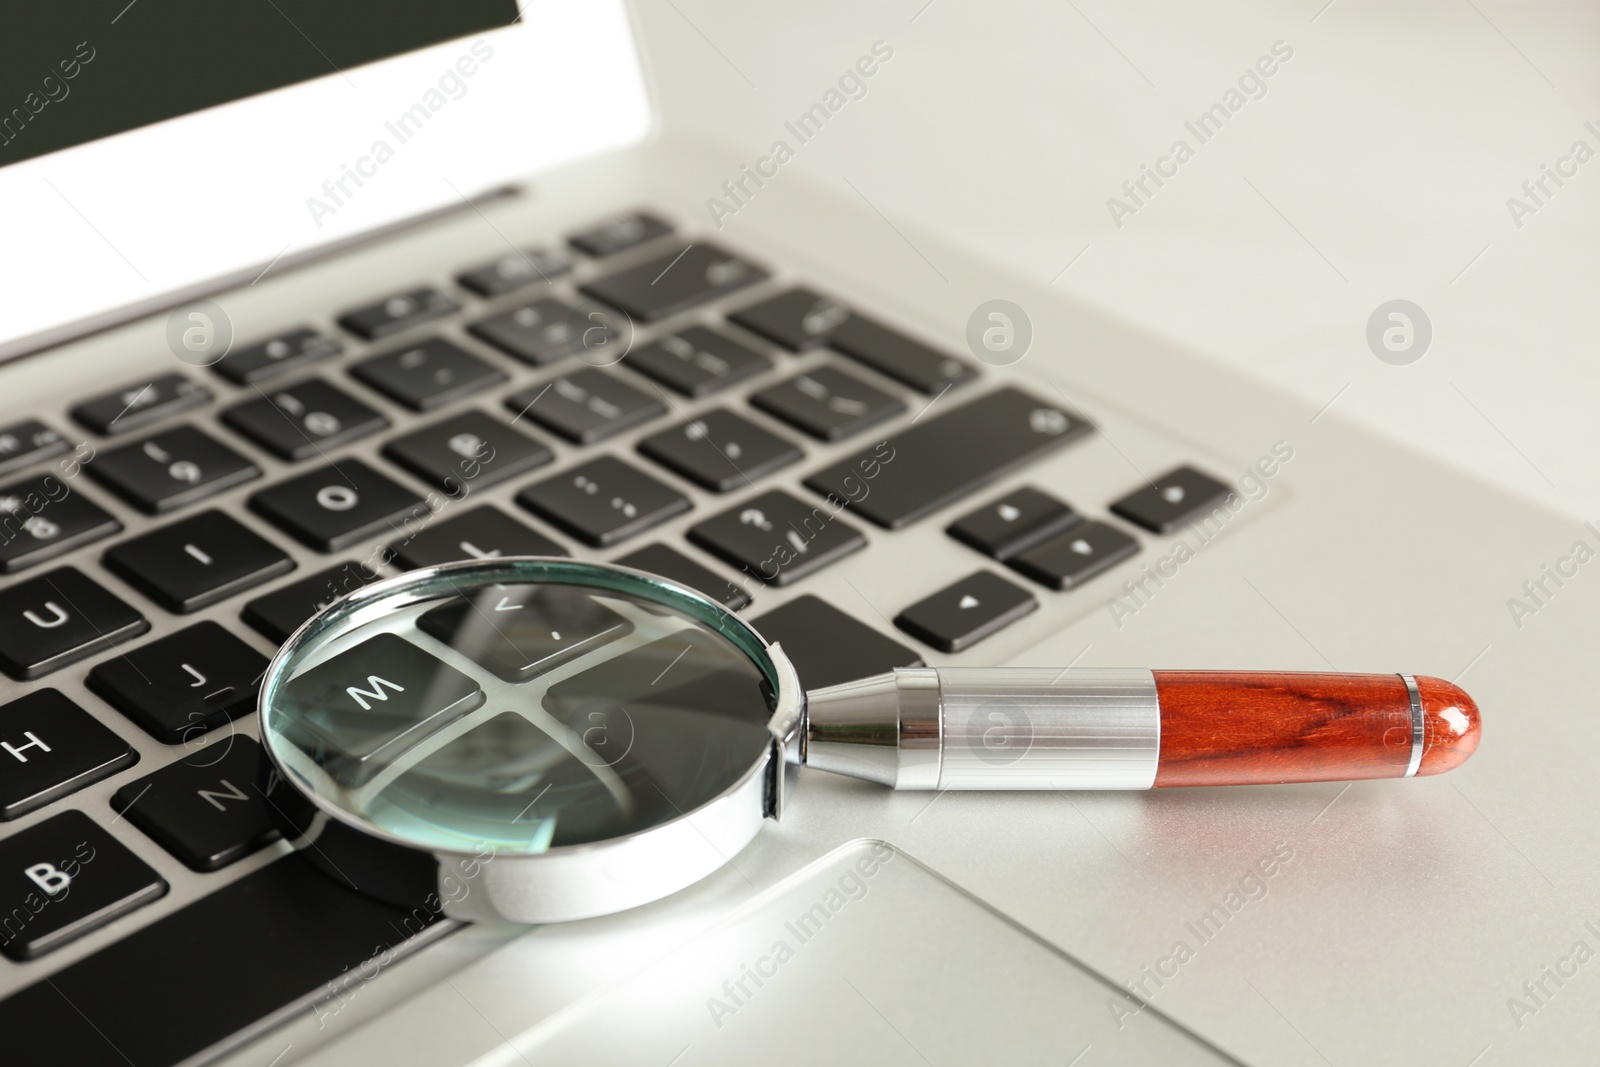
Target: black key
[
  {"x": 827, "y": 403},
  {"x": 50, "y": 747},
  {"x": 520, "y": 632},
  {"x": 338, "y": 505},
  {"x": 1019, "y": 520},
  {"x": 720, "y": 450},
  {"x": 170, "y": 991},
  {"x": 44, "y": 517},
  {"x": 281, "y": 612},
  {"x": 676, "y": 281},
  {"x": 428, "y": 374},
  {"x": 1069, "y": 559},
  {"x": 515, "y": 270},
  {"x": 399, "y": 312},
  {"x": 466, "y": 452},
  {"x": 196, "y": 562},
  {"x": 546, "y": 330},
  {"x": 27, "y": 442},
  {"x": 960, "y": 615},
  {"x": 207, "y": 809},
  {"x": 942, "y": 458},
  {"x": 586, "y": 405},
  {"x": 482, "y": 533},
  {"x": 280, "y": 355},
  {"x": 1177, "y": 497},
  {"x": 828, "y": 647},
  {"x": 696, "y": 361},
  {"x": 58, "y": 618},
  {"x": 304, "y": 419},
  {"x": 603, "y": 501},
  {"x": 616, "y": 234},
  {"x": 670, "y": 563},
  {"x": 180, "y": 686},
  {"x": 892, "y": 353},
  {"x": 777, "y": 538},
  {"x": 358, "y": 710},
  {"x": 801, "y": 319},
  {"x": 66, "y": 876},
  {"x": 139, "y": 403},
  {"x": 171, "y": 469}
]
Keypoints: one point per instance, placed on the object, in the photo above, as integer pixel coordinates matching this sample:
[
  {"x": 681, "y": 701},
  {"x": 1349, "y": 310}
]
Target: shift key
[{"x": 938, "y": 460}]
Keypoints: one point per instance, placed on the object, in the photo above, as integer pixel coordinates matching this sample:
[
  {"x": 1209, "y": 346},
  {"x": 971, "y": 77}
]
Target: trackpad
[{"x": 864, "y": 957}]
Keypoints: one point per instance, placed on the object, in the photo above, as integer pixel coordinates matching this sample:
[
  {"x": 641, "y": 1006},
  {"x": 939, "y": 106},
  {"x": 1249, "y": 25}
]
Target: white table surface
[{"x": 1377, "y": 166}]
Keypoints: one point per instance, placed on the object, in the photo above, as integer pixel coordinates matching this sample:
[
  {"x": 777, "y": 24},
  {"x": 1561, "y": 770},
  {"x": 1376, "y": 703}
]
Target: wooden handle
[{"x": 1243, "y": 728}]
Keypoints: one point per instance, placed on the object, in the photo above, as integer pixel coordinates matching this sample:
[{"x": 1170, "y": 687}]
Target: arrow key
[
  {"x": 522, "y": 631},
  {"x": 1017, "y": 521},
  {"x": 960, "y": 615}
]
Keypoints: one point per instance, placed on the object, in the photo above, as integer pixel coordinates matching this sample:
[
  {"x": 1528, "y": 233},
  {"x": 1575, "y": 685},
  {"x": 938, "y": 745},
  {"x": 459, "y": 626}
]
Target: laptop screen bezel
[{"x": 100, "y": 231}]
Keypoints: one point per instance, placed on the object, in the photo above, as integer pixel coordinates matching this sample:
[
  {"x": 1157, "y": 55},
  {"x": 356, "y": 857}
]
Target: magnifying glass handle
[{"x": 1043, "y": 728}]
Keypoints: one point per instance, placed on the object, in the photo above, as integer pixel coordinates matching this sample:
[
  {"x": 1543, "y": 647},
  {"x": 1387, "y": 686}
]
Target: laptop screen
[{"x": 75, "y": 72}]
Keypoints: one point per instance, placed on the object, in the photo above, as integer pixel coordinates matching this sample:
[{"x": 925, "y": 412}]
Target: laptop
[{"x": 272, "y": 272}]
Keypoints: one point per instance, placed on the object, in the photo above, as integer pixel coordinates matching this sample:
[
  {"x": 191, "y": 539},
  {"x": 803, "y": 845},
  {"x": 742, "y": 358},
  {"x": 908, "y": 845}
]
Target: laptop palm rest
[{"x": 863, "y": 957}]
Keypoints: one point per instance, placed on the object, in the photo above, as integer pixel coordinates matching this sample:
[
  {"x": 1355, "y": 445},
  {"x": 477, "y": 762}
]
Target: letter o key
[{"x": 337, "y": 497}]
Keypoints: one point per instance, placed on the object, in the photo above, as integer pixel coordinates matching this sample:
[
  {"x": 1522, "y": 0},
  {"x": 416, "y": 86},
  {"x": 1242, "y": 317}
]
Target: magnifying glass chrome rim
[{"x": 563, "y": 882}]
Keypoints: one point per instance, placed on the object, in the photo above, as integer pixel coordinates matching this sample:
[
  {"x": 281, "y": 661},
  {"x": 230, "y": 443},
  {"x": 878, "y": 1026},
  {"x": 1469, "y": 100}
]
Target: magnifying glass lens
[{"x": 521, "y": 706}]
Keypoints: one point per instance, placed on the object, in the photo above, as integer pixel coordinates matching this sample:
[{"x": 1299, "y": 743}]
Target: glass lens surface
[{"x": 523, "y": 705}]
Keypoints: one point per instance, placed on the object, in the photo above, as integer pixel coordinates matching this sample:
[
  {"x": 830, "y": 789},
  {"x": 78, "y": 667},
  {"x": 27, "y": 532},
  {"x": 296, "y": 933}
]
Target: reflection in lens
[{"x": 523, "y": 716}]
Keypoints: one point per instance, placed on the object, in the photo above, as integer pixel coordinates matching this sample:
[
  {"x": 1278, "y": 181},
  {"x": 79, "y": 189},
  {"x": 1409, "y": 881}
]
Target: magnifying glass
[{"x": 538, "y": 739}]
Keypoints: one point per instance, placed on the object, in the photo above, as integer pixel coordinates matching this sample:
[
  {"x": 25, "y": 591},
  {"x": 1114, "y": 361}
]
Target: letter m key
[{"x": 360, "y": 696}]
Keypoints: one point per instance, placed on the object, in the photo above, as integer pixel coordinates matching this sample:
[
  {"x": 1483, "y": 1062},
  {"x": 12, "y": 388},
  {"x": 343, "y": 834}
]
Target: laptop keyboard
[{"x": 478, "y": 420}]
